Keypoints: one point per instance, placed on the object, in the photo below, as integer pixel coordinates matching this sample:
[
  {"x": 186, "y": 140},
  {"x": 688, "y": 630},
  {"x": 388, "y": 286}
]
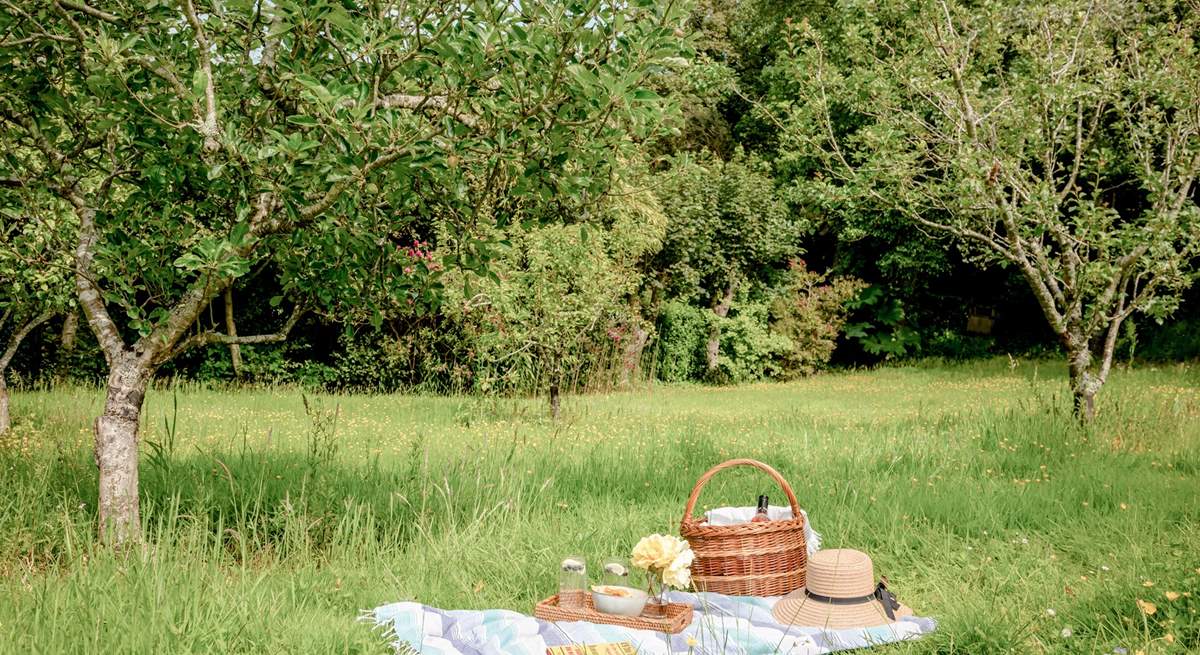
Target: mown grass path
[{"x": 271, "y": 527}]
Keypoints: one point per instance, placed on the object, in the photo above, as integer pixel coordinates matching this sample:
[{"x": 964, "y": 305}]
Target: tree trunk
[
  {"x": 66, "y": 346},
  {"x": 555, "y": 401},
  {"x": 721, "y": 309},
  {"x": 5, "y": 423},
  {"x": 1085, "y": 384},
  {"x": 117, "y": 448},
  {"x": 631, "y": 359},
  {"x": 1085, "y": 403},
  {"x": 631, "y": 355},
  {"x": 235, "y": 351}
]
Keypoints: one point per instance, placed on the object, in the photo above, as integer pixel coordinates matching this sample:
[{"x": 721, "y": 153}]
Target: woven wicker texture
[
  {"x": 748, "y": 559},
  {"x": 678, "y": 616}
]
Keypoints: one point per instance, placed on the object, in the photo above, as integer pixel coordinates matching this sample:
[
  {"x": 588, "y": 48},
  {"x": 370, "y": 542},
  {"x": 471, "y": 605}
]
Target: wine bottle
[{"x": 761, "y": 514}]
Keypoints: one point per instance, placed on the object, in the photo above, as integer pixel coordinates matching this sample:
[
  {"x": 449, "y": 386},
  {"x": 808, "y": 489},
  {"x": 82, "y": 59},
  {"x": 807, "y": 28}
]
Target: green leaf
[
  {"x": 302, "y": 121},
  {"x": 199, "y": 81},
  {"x": 857, "y": 330}
]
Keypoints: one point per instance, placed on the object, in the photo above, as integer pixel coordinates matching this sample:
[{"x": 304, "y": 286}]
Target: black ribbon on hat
[{"x": 881, "y": 594}]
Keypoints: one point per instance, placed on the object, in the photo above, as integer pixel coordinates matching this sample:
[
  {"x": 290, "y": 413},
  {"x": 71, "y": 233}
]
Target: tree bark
[
  {"x": 235, "y": 350},
  {"x": 117, "y": 448},
  {"x": 631, "y": 357},
  {"x": 66, "y": 347},
  {"x": 721, "y": 310},
  {"x": 1085, "y": 384}
]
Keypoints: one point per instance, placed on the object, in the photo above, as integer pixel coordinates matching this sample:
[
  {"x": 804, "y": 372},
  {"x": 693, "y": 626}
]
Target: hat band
[{"x": 881, "y": 594}]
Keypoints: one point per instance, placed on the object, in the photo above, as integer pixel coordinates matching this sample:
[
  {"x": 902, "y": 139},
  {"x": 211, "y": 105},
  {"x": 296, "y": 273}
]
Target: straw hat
[{"x": 840, "y": 592}]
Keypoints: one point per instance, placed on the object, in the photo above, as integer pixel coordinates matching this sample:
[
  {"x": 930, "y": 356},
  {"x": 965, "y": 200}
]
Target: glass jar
[
  {"x": 656, "y": 604},
  {"x": 572, "y": 581},
  {"x": 615, "y": 572}
]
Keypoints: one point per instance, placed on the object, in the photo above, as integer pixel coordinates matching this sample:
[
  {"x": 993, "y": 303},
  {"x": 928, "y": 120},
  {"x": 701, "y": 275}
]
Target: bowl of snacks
[{"x": 615, "y": 599}]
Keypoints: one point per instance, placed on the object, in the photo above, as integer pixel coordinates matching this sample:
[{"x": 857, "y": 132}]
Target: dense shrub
[
  {"x": 750, "y": 350},
  {"x": 810, "y": 311},
  {"x": 431, "y": 356},
  {"x": 682, "y": 330},
  {"x": 559, "y": 306},
  {"x": 957, "y": 346}
]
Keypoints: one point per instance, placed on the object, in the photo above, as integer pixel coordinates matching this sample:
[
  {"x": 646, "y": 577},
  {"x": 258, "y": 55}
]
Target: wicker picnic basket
[{"x": 747, "y": 559}]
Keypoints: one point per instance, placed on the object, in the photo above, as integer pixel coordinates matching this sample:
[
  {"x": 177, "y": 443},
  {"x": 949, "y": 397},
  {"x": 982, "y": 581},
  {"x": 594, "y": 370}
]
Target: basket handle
[{"x": 787, "y": 489}]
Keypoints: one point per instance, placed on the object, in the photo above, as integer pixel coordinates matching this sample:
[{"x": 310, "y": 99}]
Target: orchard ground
[{"x": 269, "y": 526}]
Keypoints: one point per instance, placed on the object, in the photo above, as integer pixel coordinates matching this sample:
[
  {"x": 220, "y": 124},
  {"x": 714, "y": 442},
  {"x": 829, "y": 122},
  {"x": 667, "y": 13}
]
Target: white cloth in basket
[{"x": 735, "y": 515}]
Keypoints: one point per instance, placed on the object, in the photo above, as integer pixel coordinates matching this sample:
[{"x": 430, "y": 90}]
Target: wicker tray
[{"x": 678, "y": 616}]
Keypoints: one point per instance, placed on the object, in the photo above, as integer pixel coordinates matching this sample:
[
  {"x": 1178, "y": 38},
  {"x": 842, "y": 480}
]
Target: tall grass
[{"x": 273, "y": 518}]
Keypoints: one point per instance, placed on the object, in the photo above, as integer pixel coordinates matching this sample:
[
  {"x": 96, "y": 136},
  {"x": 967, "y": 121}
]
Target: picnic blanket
[{"x": 721, "y": 625}]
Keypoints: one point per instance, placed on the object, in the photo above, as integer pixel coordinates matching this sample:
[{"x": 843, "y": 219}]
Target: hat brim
[{"x": 799, "y": 610}]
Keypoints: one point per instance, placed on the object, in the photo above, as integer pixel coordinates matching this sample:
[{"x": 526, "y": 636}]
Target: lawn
[{"x": 270, "y": 527}]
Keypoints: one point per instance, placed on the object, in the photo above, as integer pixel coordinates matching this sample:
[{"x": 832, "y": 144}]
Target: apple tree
[{"x": 197, "y": 140}]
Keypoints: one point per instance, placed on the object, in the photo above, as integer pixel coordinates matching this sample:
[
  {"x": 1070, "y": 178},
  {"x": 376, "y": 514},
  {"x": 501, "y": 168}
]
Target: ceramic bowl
[{"x": 625, "y": 601}]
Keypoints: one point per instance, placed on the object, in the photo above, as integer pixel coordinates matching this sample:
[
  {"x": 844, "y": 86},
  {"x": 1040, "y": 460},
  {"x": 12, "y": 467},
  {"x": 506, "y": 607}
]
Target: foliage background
[{"x": 625, "y": 287}]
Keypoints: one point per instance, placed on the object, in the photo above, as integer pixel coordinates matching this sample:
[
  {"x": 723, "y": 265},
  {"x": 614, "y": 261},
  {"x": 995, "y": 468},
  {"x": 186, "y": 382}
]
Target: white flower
[
  {"x": 670, "y": 558},
  {"x": 657, "y": 551},
  {"x": 1050, "y": 611},
  {"x": 679, "y": 573},
  {"x": 677, "y": 578},
  {"x": 684, "y": 559},
  {"x": 1066, "y": 633}
]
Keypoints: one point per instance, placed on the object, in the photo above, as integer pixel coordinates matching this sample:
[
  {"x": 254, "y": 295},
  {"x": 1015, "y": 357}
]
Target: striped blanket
[{"x": 725, "y": 625}]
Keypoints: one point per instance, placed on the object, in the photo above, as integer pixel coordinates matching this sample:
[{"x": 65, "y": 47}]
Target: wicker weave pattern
[
  {"x": 748, "y": 559},
  {"x": 678, "y": 616}
]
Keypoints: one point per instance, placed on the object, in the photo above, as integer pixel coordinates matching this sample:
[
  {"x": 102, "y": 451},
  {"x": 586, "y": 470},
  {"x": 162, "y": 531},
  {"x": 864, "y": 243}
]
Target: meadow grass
[{"x": 272, "y": 519}]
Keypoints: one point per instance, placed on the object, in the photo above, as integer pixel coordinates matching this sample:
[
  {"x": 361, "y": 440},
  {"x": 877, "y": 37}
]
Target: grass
[{"x": 271, "y": 526}]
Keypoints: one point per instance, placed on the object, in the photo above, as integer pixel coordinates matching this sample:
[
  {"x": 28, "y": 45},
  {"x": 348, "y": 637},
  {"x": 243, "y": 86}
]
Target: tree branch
[
  {"x": 90, "y": 11},
  {"x": 1117, "y": 283},
  {"x": 166, "y": 74},
  {"x": 210, "y": 337},
  {"x": 17, "y": 337},
  {"x": 1036, "y": 277},
  {"x": 317, "y": 208},
  {"x": 956, "y": 72},
  {"x": 90, "y": 297},
  {"x": 424, "y": 102},
  {"x": 206, "y": 124},
  {"x": 165, "y": 337},
  {"x": 1110, "y": 340}
]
